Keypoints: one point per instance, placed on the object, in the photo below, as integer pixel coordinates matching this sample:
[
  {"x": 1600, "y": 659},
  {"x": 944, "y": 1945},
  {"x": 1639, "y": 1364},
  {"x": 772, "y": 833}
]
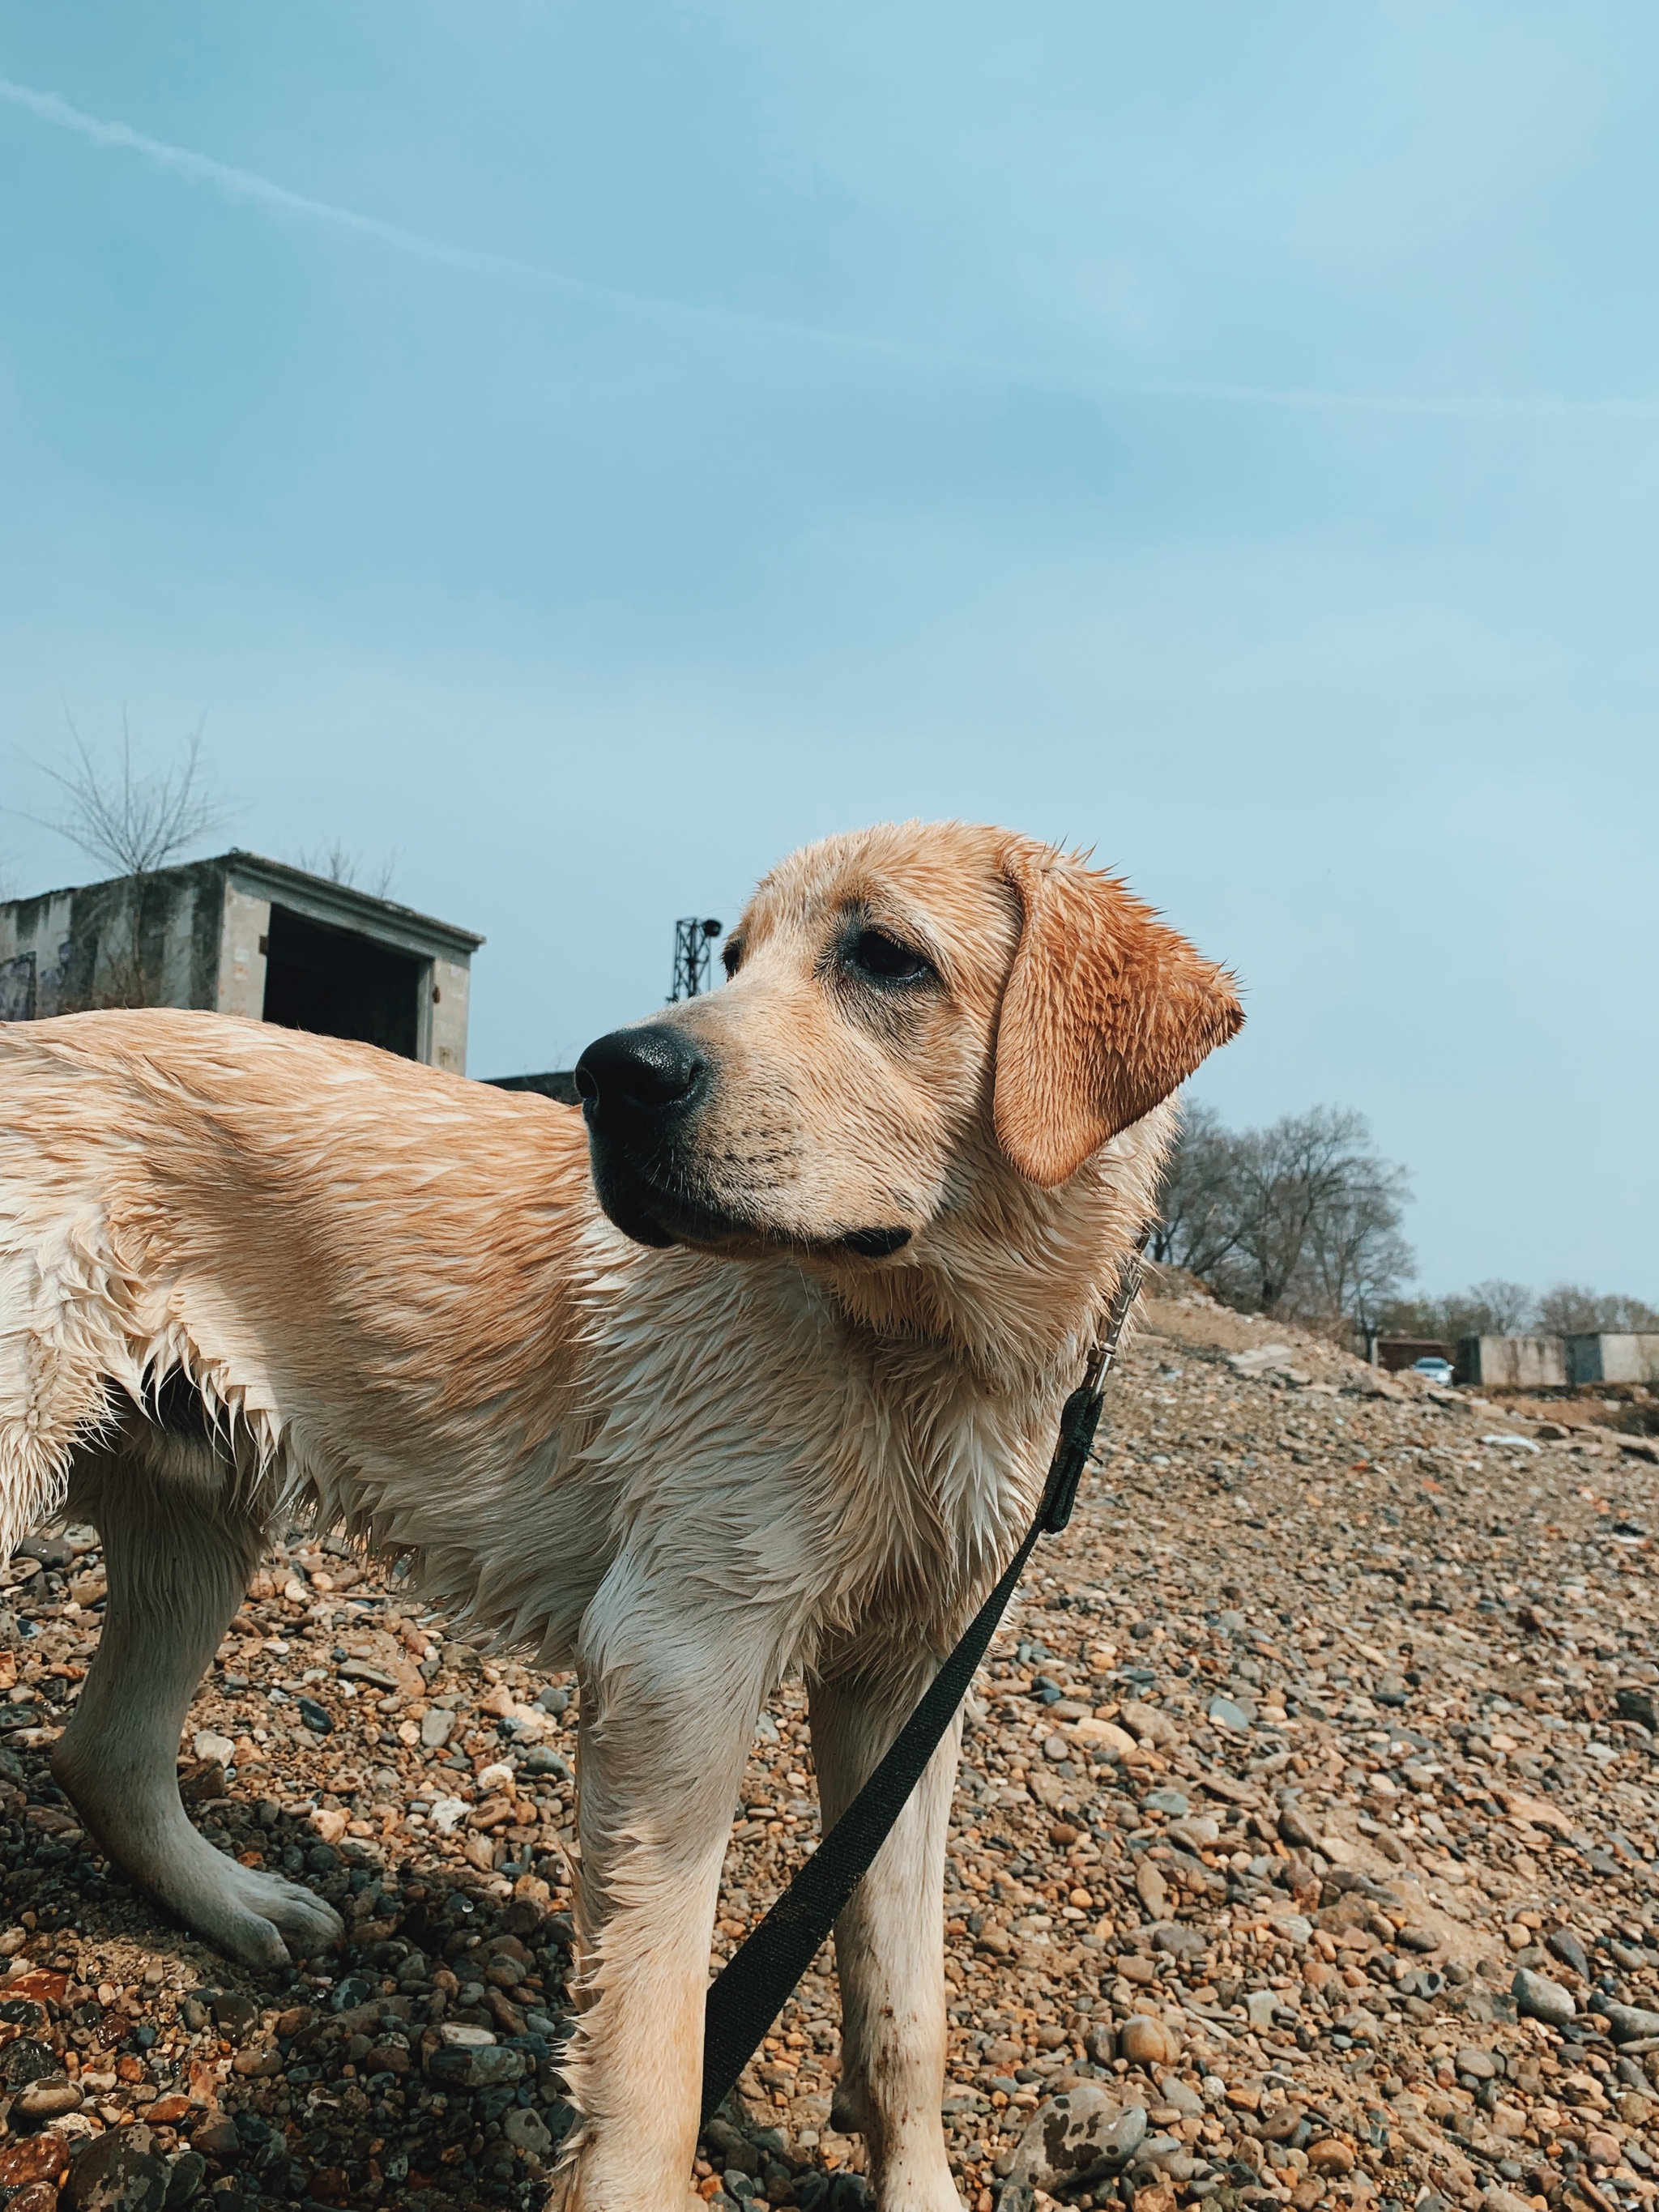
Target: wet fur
[{"x": 244, "y": 1271}]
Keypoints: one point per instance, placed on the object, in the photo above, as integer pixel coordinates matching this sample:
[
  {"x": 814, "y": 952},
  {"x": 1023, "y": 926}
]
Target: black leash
[{"x": 749, "y": 1994}]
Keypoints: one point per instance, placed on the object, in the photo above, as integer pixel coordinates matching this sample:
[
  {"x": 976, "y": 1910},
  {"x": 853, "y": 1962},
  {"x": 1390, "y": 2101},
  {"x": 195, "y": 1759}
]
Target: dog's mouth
[{"x": 658, "y": 1214}]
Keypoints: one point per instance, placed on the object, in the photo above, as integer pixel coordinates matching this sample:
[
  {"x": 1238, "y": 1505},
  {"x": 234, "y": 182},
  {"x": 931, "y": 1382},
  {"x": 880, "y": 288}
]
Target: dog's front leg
[
  {"x": 890, "y": 1944},
  {"x": 668, "y": 1709}
]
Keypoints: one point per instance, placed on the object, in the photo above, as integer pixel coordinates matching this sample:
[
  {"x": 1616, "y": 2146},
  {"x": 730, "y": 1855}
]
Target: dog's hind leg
[
  {"x": 890, "y": 1942},
  {"x": 178, "y": 1554}
]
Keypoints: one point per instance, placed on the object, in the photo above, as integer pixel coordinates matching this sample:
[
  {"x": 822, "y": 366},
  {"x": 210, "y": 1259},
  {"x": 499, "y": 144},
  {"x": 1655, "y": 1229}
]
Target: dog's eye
[
  {"x": 731, "y": 954},
  {"x": 884, "y": 959}
]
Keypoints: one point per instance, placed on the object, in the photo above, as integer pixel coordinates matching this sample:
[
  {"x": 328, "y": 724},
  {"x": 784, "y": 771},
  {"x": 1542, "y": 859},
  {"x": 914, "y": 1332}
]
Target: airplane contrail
[{"x": 245, "y": 185}]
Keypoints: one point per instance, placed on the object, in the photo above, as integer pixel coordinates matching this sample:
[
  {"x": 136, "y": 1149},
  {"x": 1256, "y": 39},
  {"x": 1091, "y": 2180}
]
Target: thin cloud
[{"x": 247, "y": 185}]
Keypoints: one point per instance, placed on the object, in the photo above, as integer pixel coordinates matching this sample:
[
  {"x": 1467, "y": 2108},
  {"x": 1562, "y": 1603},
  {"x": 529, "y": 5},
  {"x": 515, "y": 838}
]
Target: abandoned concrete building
[{"x": 242, "y": 935}]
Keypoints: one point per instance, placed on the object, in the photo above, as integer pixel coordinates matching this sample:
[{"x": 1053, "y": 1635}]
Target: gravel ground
[{"x": 1304, "y": 1849}]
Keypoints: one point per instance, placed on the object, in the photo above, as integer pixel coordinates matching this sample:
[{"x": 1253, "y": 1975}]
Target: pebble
[
  {"x": 1073, "y": 2138},
  {"x": 1145, "y": 2042},
  {"x": 48, "y": 2099},
  {"x": 1565, "y": 1946},
  {"x": 120, "y": 2173},
  {"x": 1540, "y": 1998},
  {"x": 1330, "y": 2156}
]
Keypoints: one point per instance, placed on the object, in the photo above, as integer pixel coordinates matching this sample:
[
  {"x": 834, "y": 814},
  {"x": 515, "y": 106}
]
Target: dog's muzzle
[{"x": 641, "y": 1089}]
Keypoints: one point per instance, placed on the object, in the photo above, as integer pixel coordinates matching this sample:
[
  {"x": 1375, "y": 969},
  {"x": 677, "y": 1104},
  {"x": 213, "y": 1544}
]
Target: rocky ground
[{"x": 1304, "y": 1849}]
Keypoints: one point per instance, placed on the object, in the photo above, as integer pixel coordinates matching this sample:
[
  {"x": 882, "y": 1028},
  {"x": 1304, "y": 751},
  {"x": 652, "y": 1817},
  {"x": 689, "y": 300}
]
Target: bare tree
[
  {"x": 1302, "y": 1219},
  {"x": 338, "y": 863},
  {"x": 132, "y": 819},
  {"x": 1573, "y": 1310},
  {"x": 1199, "y": 1229},
  {"x": 1495, "y": 1307}
]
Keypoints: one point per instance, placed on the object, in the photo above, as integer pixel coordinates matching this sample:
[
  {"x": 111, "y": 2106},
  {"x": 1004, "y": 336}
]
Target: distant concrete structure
[
  {"x": 1513, "y": 1363},
  {"x": 558, "y": 1083},
  {"x": 1395, "y": 1352},
  {"x": 1612, "y": 1357},
  {"x": 242, "y": 935}
]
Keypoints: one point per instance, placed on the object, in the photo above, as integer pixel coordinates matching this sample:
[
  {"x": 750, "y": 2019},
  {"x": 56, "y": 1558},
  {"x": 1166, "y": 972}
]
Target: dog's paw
[{"x": 265, "y": 1921}]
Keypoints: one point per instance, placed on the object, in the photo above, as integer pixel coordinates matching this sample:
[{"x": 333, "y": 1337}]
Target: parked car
[{"x": 1432, "y": 1370}]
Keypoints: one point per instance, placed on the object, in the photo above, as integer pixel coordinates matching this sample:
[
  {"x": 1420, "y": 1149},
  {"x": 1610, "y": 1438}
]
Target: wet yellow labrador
[{"x": 753, "y": 1363}]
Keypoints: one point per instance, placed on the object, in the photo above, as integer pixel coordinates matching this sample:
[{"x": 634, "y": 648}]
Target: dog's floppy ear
[{"x": 1105, "y": 1010}]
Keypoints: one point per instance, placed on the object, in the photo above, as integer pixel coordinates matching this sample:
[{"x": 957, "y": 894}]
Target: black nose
[{"x": 639, "y": 1071}]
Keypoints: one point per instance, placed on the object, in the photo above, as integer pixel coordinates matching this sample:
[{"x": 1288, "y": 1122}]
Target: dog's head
[{"x": 925, "y": 1026}]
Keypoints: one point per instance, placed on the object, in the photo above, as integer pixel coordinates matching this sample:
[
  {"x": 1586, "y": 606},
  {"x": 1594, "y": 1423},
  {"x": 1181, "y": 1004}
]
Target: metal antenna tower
[{"x": 693, "y": 957}]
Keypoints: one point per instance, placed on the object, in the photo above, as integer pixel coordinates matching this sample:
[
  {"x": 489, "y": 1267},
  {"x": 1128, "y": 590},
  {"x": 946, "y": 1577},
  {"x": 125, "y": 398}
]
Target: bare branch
[
  {"x": 338, "y": 863},
  {"x": 131, "y": 819}
]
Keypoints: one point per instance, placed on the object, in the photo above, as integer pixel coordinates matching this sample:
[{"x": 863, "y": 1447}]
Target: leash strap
[{"x": 749, "y": 1992}]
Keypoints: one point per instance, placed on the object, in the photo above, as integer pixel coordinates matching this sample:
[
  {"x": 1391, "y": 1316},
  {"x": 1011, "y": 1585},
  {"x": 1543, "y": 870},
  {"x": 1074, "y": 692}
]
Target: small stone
[
  {"x": 188, "y": 2172},
  {"x": 1167, "y": 1801},
  {"x": 317, "y": 1718},
  {"x": 1496, "y": 2198},
  {"x": 1145, "y": 2041},
  {"x": 258, "y": 2064},
  {"x": 523, "y": 2129},
  {"x": 1537, "y": 1997},
  {"x": 1480, "y": 2063},
  {"x": 1182, "y": 2097},
  {"x": 1629, "y": 2023},
  {"x": 34, "y": 2159},
  {"x": 1331, "y": 2155},
  {"x": 437, "y": 1725},
  {"x": 234, "y": 2013},
  {"x": 27, "y": 2060},
  {"x": 1261, "y": 2007},
  {"x": 34, "y": 2197},
  {"x": 209, "y": 1745},
  {"x": 1229, "y": 1713},
  {"x": 1602, "y": 2149},
  {"x": 1196, "y": 1835},
  {"x": 217, "y": 2138},
  {"x": 1297, "y": 1830},
  {"x": 1414, "y": 1938},
  {"x": 477, "y": 2067},
  {"x": 329, "y": 1822},
  {"x": 1563, "y": 1944},
  {"x": 120, "y": 2173},
  {"x": 48, "y": 2099},
  {"x": 1056, "y": 1748},
  {"x": 1152, "y": 1889},
  {"x": 1073, "y": 2137},
  {"x": 1180, "y": 1941},
  {"x": 51, "y": 1551},
  {"x": 1149, "y": 1723}
]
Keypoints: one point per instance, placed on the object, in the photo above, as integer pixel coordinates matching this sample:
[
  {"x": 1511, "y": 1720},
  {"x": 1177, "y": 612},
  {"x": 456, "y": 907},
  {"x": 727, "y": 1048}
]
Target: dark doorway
[{"x": 338, "y": 984}]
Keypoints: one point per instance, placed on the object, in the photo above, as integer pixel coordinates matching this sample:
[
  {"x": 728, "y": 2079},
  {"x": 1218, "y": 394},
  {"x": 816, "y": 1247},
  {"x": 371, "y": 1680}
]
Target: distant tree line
[
  {"x": 1503, "y": 1308},
  {"x": 1304, "y": 1219}
]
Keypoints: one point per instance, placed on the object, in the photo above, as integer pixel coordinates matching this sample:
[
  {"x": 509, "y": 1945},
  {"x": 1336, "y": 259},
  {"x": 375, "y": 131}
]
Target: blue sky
[{"x": 592, "y": 450}]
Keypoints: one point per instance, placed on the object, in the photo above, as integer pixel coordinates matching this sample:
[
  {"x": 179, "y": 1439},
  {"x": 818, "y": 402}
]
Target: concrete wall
[
  {"x": 196, "y": 935},
  {"x": 448, "y": 982},
  {"x": 1609, "y": 1357},
  {"x": 240, "y": 984},
  {"x": 1513, "y": 1363},
  {"x": 138, "y": 940}
]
